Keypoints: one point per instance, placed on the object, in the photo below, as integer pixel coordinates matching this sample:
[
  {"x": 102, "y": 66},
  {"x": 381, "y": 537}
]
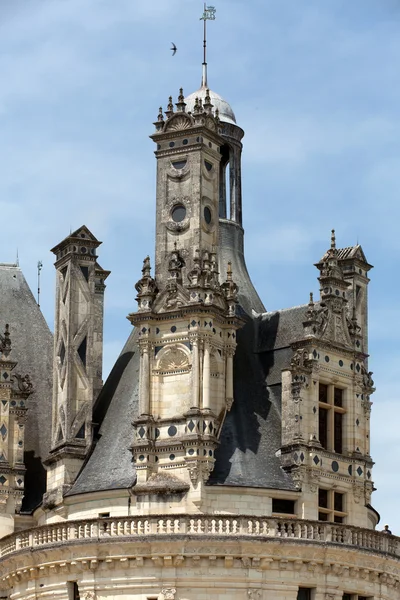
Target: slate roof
[
  {"x": 109, "y": 466},
  {"x": 32, "y": 347}
]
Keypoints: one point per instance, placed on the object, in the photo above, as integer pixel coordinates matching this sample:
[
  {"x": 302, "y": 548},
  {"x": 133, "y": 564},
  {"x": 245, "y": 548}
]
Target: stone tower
[
  {"x": 78, "y": 355},
  {"x": 186, "y": 319}
]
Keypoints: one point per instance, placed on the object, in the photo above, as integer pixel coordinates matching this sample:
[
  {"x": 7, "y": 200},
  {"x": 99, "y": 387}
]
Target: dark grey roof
[
  {"x": 110, "y": 466},
  {"x": 251, "y": 434},
  {"x": 32, "y": 347},
  {"x": 280, "y": 328}
]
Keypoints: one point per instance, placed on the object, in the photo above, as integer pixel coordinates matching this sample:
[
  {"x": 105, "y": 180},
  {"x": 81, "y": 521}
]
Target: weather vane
[{"x": 208, "y": 15}]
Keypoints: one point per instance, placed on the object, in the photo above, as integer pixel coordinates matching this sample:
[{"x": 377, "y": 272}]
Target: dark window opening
[
  {"x": 338, "y": 519},
  {"x": 75, "y": 591},
  {"x": 338, "y": 397},
  {"x": 283, "y": 506},
  {"x": 323, "y": 498},
  {"x": 322, "y": 516},
  {"x": 338, "y": 502},
  {"x": 323, "y": 427},
  {"x": 59, "y": 435},
  {"x": 347, "y": 596},
  {"x": 85, "y": 272},
  {"x": 207, "y": 215},
  {"x": 304, "y": 594},
  {"x": 82, "y": 351},
  {"x": 179, "y": 164},
  {"x": 323, "y": 393},
  {"x": 81, "y": 433},
  {"x": 62, "y": 353},
  {"x": 64, "y": 272},
  {"x": 208, "y": 165},
  {"x": 338, "y": 433}
]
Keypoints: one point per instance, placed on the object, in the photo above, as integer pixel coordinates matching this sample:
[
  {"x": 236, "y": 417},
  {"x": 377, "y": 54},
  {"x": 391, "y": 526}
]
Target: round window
[
  {"x": 178, "y": 213},
  {"x": 207, "y": 215}
]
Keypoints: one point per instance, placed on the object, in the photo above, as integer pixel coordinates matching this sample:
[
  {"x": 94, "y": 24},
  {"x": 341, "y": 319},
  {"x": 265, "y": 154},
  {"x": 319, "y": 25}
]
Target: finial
[
  {"x": 311, "y": 299},
  {"x": 217, "y": 115},
  {"x": 17, "y": 261},
  {"x": 196, "y": 108},
  {"x": 146, "y": 267},
  {"x": 159, "y": 124},
  {"x": 170, "y": 108},
  {"x": 207, "y": 101},
  {"x": 181, "y": 104},
  {"x": 333, "y": 240}
]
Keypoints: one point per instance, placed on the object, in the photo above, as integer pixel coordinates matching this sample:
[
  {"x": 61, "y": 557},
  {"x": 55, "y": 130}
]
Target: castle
[{"x": 227, "y": 455}]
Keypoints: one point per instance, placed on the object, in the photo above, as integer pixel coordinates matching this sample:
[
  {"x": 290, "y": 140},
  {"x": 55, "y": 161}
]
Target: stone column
[
  {"x": 206, "y": 377},
  {"x": 195, "y": 373},
  {"x": 144, "y": 381}
]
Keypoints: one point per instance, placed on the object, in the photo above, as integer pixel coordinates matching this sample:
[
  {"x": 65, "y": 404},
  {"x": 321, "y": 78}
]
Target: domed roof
[{"x": 226, "y": 113}]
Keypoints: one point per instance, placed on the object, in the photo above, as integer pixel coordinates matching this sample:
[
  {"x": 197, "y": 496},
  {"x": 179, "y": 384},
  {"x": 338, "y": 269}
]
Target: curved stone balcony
[
  {"x": 139, "y": 527},
  {"x": 136, "y": 553}
]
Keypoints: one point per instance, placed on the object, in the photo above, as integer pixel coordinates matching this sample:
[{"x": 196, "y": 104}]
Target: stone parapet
[
  {"x": 188, "y": 557},
  {"x": 230, "y": 527}
]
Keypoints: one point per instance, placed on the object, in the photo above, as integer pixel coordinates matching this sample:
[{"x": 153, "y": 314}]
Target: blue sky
[{"x": 315, "y": 86}]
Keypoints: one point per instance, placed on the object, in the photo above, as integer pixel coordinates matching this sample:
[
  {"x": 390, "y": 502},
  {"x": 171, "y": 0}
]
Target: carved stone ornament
[
  {"x": 254, "y": 594},
  {"x": 24, "y": 383},
  {"x": 168, "y": 594},
  {"x": 301, "y": 360},
  {"x": 89, "y": 595},
  {"x": 173, "y": 359},
  {"x": 178, "y": 122}
]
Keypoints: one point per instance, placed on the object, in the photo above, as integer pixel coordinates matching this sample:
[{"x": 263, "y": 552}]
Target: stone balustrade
[{"x": 233, "y": 526}]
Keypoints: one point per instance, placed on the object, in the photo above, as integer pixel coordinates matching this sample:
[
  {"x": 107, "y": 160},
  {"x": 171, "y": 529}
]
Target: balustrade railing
[{"x": 199, "y": 525}]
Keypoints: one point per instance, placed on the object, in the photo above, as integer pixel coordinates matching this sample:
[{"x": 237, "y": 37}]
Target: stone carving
[
  {"x": 89, "y": 595},
  {"x": 301, "y": 360},
  {"x": 254, "y": 594},
  {"x": 179, "y": 122},
  {"x": 173, "y": 359},
  {"x": 368, "y": 382},
  {"x": 24, "y": 383},
  {"x": 168, "y": 594}
]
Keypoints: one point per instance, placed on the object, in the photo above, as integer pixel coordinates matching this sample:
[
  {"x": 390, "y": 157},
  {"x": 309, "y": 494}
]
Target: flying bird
[{"x": 173, "y": 49}]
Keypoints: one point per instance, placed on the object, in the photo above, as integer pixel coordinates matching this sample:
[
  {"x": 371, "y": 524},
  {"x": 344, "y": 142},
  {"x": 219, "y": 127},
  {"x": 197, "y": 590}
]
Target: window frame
[
  {"x": 330, "y": 510},
  {"x": 327, "y": 435}
]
